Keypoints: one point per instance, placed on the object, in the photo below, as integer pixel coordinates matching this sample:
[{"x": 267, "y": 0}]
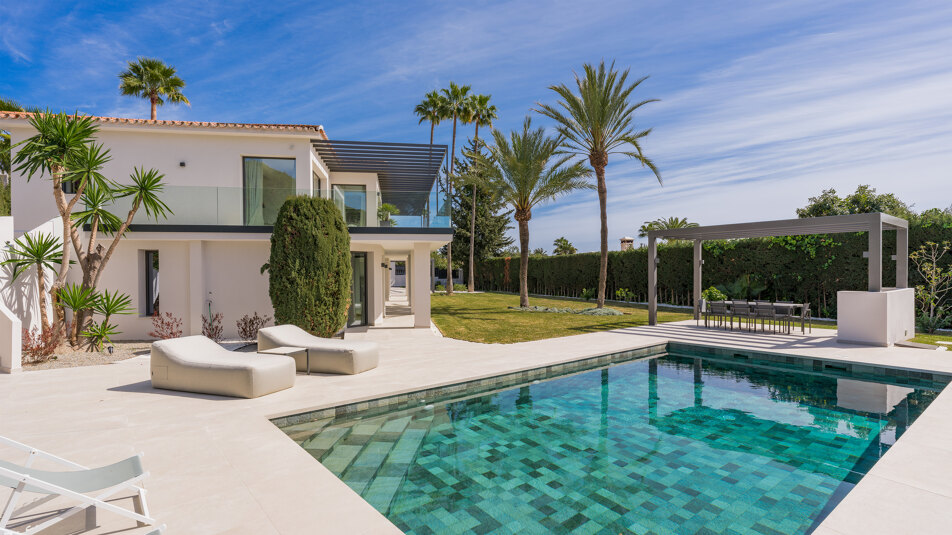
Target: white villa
[{"x": 225, "y": 183}]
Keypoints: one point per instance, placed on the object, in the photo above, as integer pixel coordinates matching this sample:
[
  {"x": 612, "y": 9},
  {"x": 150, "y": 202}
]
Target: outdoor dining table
[{"x": 793, "y": 307}]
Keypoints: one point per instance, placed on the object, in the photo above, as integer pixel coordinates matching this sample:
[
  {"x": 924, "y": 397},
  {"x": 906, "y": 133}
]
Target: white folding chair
[{"x": 75, "y": 484}]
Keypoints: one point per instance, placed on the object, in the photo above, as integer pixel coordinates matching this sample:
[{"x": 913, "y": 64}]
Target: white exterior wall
[
  {"x": 196, "y": 268},
  {"x": 876, "y": 318},
  {"x": 212, "y": 160}
]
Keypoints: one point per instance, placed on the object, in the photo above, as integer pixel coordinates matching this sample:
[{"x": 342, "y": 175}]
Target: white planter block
[{"x": 876, "y": 318}]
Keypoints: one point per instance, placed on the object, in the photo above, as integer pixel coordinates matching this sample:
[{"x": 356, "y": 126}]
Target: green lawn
[{"x": 485, "y": 317}]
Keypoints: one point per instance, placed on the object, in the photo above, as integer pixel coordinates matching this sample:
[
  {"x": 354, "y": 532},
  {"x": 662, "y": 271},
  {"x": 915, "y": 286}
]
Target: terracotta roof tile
[{"x": 318, "y": 129}]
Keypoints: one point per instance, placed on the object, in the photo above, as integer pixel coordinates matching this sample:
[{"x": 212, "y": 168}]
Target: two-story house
[{"x": 224, "y": 183}]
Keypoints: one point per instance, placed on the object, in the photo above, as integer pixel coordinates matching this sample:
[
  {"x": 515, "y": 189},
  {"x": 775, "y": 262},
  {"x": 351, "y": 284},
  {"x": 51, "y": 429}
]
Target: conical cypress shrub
[{"x": 309, "y": 271}]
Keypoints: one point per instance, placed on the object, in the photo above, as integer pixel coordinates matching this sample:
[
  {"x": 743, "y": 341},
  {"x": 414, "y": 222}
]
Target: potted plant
[{"x": 384, "y": 211}]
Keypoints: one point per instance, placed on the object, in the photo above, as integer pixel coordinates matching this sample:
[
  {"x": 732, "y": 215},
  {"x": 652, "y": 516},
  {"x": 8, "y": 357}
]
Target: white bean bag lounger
[{"x": 327, "y": 355}]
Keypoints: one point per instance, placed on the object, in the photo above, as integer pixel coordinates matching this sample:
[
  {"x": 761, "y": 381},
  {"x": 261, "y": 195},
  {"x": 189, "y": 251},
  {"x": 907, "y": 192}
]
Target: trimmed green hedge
[
  {"x": 309, "y": 271},
  {"x": 797, "y": 268}
]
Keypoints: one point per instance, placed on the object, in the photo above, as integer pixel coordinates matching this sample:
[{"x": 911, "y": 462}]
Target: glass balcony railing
[{"x": 213, "y": 206}]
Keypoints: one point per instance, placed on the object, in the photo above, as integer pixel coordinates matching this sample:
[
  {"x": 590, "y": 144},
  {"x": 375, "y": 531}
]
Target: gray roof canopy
[
  {"x": 785, "y": 227},
  {"x": 874, "y": 224},
  {"x": 406, "y": 171}
]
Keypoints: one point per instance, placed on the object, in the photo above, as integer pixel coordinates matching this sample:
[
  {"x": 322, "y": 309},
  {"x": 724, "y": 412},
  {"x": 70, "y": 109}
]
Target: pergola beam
[{"x": 874, "y": 224}]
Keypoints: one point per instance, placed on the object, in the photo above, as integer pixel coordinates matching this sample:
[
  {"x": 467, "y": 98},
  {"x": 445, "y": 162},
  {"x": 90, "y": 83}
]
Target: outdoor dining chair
[
  {"x": 721, "y": 314},
  {"x": 742, "y": 311},
  {"x": 765, "y": 313},
  {"x": 783, "y": 312}
]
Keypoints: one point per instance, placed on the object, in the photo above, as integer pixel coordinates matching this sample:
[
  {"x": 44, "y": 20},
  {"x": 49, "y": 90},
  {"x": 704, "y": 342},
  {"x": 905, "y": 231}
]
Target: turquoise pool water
[{"x": 671, "y": 444}]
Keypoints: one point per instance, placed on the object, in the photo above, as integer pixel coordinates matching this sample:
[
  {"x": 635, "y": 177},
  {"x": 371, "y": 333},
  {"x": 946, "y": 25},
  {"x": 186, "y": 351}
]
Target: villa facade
[{"x": 224, "y": 183}]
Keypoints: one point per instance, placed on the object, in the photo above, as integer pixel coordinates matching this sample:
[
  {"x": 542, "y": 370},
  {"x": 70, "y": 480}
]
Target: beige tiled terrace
[{"x": 219, "y": 466}]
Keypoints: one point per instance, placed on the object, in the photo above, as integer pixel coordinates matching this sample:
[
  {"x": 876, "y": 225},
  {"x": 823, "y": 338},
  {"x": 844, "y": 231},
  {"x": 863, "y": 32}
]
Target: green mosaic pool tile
[
  {"x": 325, "y": 438},
  {"x": 546, "y": 457},
  {"x": 338, "y": 459}
]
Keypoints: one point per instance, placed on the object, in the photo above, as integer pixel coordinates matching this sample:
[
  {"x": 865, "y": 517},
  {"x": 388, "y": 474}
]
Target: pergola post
[
  {"x": 902, "y": 258},
  {"x": 652, "y": 280},
  {"x": 696, "y": 295},
  {"x": 875, "y": 253}
]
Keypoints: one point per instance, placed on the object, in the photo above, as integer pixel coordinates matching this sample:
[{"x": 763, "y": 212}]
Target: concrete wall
[
  {"x": 876, "y": 318},
  {"x": 21, "y": 296}
]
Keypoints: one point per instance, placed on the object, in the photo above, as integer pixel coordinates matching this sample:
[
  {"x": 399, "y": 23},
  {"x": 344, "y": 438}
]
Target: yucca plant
[
  {"x": 100, "y": 334},
  {"x": 41, "y": 251},
  {"x": 75, "y": 297}
]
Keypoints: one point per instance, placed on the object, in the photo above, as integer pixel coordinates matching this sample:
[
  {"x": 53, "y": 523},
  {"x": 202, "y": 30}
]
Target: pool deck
[{"x": 217, "y": 465}]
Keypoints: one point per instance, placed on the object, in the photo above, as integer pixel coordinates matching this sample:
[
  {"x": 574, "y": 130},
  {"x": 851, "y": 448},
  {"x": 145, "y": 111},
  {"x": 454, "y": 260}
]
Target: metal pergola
[
  {"x": 406, "y": 171},
  {"x": 874, "y": 224}
]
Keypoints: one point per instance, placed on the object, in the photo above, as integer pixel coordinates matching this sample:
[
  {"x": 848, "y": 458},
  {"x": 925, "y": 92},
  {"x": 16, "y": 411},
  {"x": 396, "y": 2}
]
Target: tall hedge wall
[{"x": 799, "y": 268}]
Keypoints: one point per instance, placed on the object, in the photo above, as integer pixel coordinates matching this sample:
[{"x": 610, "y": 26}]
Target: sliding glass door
[{"x": 357, "y": 315}]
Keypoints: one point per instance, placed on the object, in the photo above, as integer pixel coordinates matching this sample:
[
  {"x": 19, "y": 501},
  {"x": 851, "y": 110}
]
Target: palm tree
[
  {"x": 563, "y": 246},
  {"x": 41, "y": 251},
  {"x": 152, "y": 79},
  {"x": 596, "y": 122},
  {"x": 665, "y": 223},
  {"x": 482, "y": 114},
  {"x": 525, "y": 170},
  {"x": 456, "y": 105},
  {"x": 431, "y": 110}
]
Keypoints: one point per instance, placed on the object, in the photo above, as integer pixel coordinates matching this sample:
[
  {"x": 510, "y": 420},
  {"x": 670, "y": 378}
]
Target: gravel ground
[{"x": 66, "y": 357}]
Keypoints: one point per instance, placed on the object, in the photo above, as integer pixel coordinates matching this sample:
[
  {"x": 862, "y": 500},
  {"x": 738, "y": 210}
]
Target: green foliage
[
  {"x": 34, "y": 250},
  {"x": 713, "y": 294},
  {"x": 74, "y": 297},
  {"x": 152, "y": 79},
  {"x": 563, "y": 246},
  {"x": 457, "y": 286},
  {"x": 493, "y": 218},
  {"x": 588, "y": 294},
  {"x": 864, "y": 200},
  {"x": 309, "y": 271},
  {"x": 804, "y": 270},
  {"x": 385, "y": 210},
  {"x": 624, "y": 294},
  {"x": 936, "y": 284},
  {"x": 665, "y": 223},
  {"x": 745, "y": 287},
  {"x": 99, "y": 334}
]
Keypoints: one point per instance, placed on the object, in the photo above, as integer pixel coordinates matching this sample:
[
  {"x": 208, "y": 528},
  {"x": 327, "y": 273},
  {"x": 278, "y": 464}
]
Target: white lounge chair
[
  {"x": 76, "y": 484},
  {"x": 325, "y": 355},
  {"x": 198, "y": 364}
]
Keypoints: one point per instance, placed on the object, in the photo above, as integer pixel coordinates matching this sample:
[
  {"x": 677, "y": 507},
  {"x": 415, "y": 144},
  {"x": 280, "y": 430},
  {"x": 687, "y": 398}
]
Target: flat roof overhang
[
  {"x": 874, "y": 223},
  {"x": 406, "y": 171}
]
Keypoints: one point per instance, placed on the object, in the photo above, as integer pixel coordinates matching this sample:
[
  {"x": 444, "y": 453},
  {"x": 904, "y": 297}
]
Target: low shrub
[
  {"x": 588, "y": 294},
  {"x": 248, "y": 326},
  {"x": 439, "y": 288},
  {"x": 457, "y": 287},
  {"x": 713, "y": 294},
  {"x": 39, "y": 346},
  {"x": 212, "y": 328},
  {"x": 165, "y": 326},
  {"x": 624, "y": 294}
]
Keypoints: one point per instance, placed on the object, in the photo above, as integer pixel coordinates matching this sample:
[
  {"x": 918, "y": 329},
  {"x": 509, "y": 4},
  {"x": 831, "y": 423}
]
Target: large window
[
  {"x": 151, "y": 283},
  {"x": 352, "y": 202},
  {"x": 267, "y": 183}
]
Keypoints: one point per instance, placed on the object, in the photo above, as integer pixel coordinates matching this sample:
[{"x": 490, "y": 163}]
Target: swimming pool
[{"x": 691, "y": 440}]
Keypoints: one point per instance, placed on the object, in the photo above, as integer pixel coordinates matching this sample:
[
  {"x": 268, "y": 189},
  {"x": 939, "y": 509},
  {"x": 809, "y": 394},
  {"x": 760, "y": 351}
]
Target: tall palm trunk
[
  {"x": 449, "y": 193},
  {"x": 152, "y": 101},
  {"x": 523, "y": 261},
  {"x": 470, "y": 284},
  {"x": 599, "y": 165}
]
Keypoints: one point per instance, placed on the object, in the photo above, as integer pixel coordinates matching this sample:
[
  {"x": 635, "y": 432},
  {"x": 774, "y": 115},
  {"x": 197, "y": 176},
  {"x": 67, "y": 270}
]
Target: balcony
[{"x": 234, "y": 209}]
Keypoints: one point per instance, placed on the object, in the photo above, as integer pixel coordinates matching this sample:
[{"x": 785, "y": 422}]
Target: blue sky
[{"x": 763, "y": 104}]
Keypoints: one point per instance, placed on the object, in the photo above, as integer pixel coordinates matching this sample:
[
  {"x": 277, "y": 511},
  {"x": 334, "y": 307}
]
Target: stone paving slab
[{"x": 218, "y": 465}]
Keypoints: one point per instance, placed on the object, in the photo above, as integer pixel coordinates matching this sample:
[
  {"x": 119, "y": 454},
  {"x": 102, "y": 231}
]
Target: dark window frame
[{"x": 149, "y": 270}]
